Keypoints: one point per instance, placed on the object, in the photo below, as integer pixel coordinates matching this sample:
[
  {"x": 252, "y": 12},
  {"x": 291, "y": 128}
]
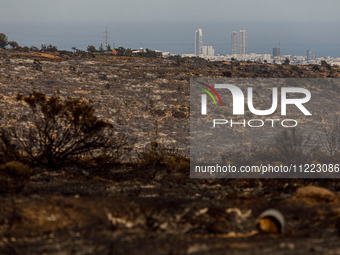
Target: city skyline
[
  {"x": 208, "y": 52},
  {"x": 238, "y": 49}
]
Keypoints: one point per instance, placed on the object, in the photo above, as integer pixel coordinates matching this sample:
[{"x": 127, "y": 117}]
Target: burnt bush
[
  {"x": 156, "y": 154},
  {"x": 13, "y": 176},
  {"x": 330, "y": 139},
  {"x": 227, "y": 74},
  {"x": 58, "y": 133},
  {"x": 289, "y": 146},
  {"x": 156, "y": 158}
]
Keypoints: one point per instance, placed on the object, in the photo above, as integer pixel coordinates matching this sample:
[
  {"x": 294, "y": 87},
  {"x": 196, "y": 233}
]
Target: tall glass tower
[
  {"x": 234, "y": 43},
  {"x": 198, "y": 42},
  {"x": 243, "y": 42}
]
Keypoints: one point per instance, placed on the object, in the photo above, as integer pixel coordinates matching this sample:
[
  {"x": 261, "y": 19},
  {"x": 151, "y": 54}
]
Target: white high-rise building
[
  {"x": 234, "y": 43},
  {"x": 208, "y": 51},
  {"x": 198, "y": 42},
  {"x": 243, "y": 42},
  {"x": 309, "y": 55}
]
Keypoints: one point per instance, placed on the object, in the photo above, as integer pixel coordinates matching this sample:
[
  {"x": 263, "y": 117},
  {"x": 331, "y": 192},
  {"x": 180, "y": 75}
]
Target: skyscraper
[
  {"x": 234, "y": 43},
  {"x": 309, "y": 55},
  {"x": 276, "y": 52},
  {"x": 243, "y": 42},
  {"x": 198, "y": 42}
]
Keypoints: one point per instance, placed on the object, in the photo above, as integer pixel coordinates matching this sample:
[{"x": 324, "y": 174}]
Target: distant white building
[
  {"x": 243, "y": 42},
  {"x": 234, "y": 43},
  {"x": 198, "y": 42},
  {"x": 208, "y": 51}
]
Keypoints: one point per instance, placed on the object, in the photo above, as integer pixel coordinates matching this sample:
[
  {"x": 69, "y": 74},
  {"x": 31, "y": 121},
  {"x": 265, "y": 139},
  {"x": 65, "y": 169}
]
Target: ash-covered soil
[
  {"x": 160, "y": 213},
  {"x": 129, "y": 210}
]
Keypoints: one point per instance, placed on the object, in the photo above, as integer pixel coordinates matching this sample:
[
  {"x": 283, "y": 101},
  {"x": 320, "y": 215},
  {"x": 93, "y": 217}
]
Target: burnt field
[{"x": 131, "y": 208}]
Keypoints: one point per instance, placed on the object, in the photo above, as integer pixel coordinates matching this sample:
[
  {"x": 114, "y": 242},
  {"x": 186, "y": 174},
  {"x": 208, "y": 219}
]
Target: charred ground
[{"x": 151, "y": 209}]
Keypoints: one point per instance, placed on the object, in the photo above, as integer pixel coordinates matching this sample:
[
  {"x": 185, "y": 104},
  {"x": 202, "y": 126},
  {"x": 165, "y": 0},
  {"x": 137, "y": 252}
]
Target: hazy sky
[{"x": 130, "y": 22}]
